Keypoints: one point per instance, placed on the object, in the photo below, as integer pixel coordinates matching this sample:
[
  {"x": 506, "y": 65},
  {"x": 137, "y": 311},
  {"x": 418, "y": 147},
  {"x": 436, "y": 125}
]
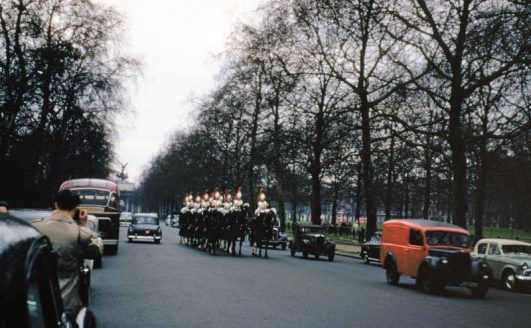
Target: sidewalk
[{"x": 348, "y": 250}]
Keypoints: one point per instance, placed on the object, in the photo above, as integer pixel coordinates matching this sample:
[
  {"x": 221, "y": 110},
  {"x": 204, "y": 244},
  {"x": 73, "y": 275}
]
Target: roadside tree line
[
  {"x": 61, "y": 86},
  {"x": 409, "y": 108}
]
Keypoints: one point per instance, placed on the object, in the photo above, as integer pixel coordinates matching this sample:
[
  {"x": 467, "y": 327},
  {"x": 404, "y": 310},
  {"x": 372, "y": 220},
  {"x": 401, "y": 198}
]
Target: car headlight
[
  {"x": 524, "y": 266},
  {"x": 444, "y": 260}
]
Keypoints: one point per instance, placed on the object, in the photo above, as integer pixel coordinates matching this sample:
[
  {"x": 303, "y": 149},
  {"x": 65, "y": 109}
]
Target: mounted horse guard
[
  {"x": 194, "y": 229},
  {"x": 214, "y": 221},
  {"x": 185, "y": 219},
  {"x": 226, "y": 232},
  {"x": 262, "y": 227},
  {"x": 238, "y": 222}
]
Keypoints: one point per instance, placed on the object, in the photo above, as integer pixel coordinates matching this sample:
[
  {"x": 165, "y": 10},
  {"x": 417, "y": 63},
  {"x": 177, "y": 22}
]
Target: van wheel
[
  {"x": 331, "y": 257},
  {"x": 429, "y": 284},
  {"x": 365, "y": 258},
  {"x": 97, "y": 263},
  {"x": 292, "y": 252},
  {"x": 283, "y": 247},
  {"x": 111, "y": 249},
  {"x": 305, "y": 254},
  {"x": 392, "y": 275}
]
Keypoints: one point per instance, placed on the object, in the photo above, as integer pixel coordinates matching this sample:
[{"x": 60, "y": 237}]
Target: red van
[{"x": 435, "y": 253}]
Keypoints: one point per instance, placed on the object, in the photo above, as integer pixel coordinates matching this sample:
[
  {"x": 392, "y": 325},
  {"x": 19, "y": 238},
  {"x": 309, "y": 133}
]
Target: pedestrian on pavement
[{"x": 72, "y": 243}]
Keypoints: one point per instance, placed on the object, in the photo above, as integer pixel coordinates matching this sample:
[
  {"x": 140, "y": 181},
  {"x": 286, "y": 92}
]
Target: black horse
[
  {"x": 237, "y": 230},
  {"x": 262, "y": 232}
]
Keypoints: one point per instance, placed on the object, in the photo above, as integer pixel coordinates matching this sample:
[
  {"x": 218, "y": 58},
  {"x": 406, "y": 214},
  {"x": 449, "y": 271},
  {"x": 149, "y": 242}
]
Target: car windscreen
[
  {"x": 516, "y": 249},
  {"x": 144, "y": 220},
  {"x": 93, "y": 196},
  {"x": 447, "y": 238}
]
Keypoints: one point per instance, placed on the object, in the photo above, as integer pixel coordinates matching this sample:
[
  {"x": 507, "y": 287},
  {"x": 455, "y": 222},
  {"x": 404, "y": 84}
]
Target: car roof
[
  {"x": 425, "y": 223},
  {"x": 504, "y": 241},
  {"x": 90, "y": 183},
  {"x": 153, "y": 215},
  {"x": 313, "y": 226},
  {"x": 29, "y": 215}
]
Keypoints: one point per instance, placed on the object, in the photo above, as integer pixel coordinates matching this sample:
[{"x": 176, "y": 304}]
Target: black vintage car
[
  {"x": 370, "y": 250},
  {"x": 310, "y": 240},
  {"x": 29, "y": 289},
  {"x": 145, "y": 226},
  {"x": 278, "y": 238}
]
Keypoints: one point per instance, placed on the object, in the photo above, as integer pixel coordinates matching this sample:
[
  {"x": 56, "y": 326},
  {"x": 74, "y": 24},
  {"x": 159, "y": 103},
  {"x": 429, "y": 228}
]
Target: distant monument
[{"x": 122, "y": 175}]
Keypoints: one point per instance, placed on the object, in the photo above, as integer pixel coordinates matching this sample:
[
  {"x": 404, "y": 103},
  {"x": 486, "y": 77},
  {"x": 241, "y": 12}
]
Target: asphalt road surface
[{"x": 170, "y": 285}]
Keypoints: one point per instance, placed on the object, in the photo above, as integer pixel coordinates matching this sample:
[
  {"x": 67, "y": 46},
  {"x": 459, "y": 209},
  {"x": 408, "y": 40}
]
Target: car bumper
[
  {"x": 137, "y": 237},
  {"x": 523, "y": 280},
  {"x": 110, "y": 242}
]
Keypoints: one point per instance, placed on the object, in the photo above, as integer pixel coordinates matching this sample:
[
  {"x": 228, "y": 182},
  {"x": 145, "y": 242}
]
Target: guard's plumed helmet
[
  {"x": 228, "y": 196},
  {"x": 217, "y": 194},
  {"x": 261, "y": 195}
]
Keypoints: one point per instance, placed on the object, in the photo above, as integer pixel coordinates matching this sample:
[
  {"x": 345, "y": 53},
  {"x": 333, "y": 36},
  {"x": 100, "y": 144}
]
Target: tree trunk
[
  {"x": 428, "y": 162},
  {"x": 254, "y": 133},
  {"x": 390, "y": 182},
  {"x": 315, "y": 169},
  {"x": 367, "y": 170},
  {"x": 359, "y": 194},
  {"x": 335, "y": 202},
  {"x": 457, "y": 145},
  {"x": 406, "y": 197},
  {"x": 279, "y": 171},
  {"x": 484, "y": 166}
]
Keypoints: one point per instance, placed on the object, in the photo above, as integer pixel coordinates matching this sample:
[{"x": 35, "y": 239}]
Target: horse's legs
[{"x": 266, "y": 247}]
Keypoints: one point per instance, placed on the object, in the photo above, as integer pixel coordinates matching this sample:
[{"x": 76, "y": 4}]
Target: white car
[{"x": 125, "y": 218}]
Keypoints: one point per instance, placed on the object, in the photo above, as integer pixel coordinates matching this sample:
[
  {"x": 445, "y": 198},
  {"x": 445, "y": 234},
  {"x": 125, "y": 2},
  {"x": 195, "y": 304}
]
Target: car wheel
[
  {"x": 111, "y": 249},
  {"x": 283, "y": 247},
  {"x": 316, "y": 256},
  {"x": 305, "y": 254},
  {"x": 391, "y": 274},
  {"x": 130, "y": 240},
  {"x": 365, "y": 258},
  {"x": 481, "y": 290},
  {"x": 331, "y": 257},
  {"x": 509, "y": 280},
  {"x": 292, "y": 252},
  {"x": 429, "y": 284},
  {"x": 157, "y": 241}
]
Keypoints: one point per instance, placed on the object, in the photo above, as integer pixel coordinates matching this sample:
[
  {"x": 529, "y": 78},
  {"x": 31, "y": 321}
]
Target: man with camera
[{"x": 72, "y": 242}]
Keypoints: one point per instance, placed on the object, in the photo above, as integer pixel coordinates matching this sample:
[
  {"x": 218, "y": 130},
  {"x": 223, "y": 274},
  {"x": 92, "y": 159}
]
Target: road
[{"x": 170, "y": 285}]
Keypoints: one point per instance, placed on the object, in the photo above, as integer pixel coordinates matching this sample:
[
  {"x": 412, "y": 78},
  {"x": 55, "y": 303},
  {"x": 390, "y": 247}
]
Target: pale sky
[{"x": 176, "y": 40}]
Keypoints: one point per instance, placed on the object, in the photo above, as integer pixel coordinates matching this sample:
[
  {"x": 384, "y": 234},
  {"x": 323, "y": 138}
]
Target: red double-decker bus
[{"x": 100, "y": 198}]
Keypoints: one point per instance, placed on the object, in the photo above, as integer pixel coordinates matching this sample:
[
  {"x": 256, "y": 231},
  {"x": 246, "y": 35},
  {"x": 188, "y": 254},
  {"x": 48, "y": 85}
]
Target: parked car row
[{"x": 438, "y": 254}]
